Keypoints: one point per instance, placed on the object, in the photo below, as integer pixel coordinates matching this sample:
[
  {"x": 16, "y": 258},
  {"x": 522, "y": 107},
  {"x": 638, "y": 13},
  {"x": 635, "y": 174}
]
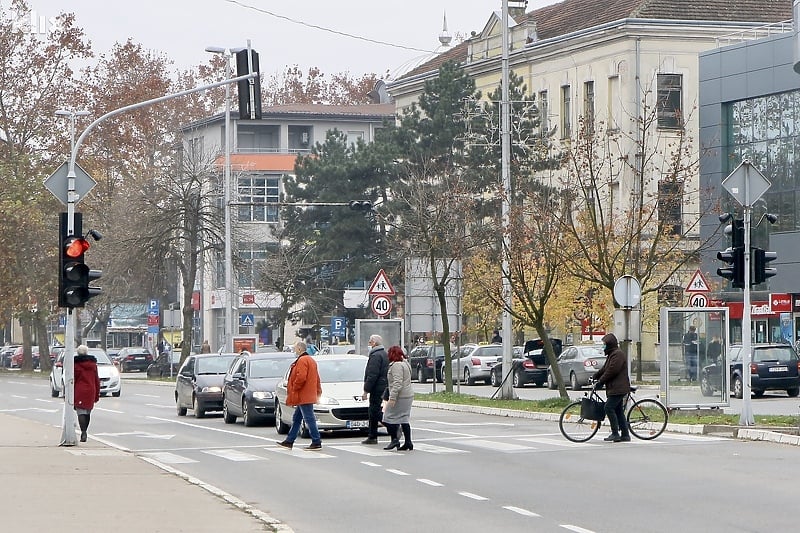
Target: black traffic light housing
[
  {"x": 360, "y": 205},
  {"x": 760, "y": 259},
  {"x": 735, "y": 272},
  {"x": 74, "y": 275},
  {"x": 250, "y": 89}
]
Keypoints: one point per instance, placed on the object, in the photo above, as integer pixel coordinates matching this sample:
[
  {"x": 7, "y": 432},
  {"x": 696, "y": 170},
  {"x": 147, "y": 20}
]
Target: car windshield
[
  {"x": 592, "y": 352},
  {"x": 341, "y": 370},
  {"x": 214, "y": 365},
  {"x": 100, "y": 355},
  {"x": 488, "y": 351},
  {"x": 782, "y": 354},
  {"x": 269, "y": 368}
]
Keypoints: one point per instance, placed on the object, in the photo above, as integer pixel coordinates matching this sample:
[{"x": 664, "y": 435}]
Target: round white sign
[
  {"x": 698, "y": 300},
  {"x": 381, "y": 305}
]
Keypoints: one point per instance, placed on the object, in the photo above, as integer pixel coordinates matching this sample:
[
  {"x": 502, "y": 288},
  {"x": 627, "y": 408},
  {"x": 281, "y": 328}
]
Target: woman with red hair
[{"x": 401, "y": 395}]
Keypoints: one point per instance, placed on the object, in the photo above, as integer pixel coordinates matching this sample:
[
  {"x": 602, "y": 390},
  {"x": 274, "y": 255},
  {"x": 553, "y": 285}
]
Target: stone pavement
[{"x": 92, "y": 487}]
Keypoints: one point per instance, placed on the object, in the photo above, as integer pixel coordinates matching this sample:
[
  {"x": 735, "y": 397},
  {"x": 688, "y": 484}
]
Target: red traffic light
[{"x": 75, "y": 247}]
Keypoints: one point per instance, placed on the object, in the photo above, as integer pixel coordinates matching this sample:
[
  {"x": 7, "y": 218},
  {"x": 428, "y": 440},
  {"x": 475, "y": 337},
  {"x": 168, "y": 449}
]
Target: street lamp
[{"x": 227, "y": 53}]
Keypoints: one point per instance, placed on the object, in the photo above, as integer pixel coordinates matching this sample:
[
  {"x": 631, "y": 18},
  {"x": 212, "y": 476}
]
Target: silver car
[
  {"x": 476, "y": 363},
  {"x": 578, "y": 364},
  {"x": 341, "y": 405}
]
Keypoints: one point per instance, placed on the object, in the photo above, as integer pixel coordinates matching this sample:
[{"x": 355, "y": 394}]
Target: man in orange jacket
[{"x": 302, "y": 391}]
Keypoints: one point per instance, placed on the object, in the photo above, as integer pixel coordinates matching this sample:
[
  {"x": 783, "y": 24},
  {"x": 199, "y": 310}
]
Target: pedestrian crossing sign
[
  {"x": 381, "y": 286},
  {"x": 698, "y": 283}
]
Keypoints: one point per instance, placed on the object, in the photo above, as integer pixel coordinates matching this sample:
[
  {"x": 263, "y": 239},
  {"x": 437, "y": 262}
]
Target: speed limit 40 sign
[
  {"x": 698, "y": 300},
  {"x": 381, "y": 305}
]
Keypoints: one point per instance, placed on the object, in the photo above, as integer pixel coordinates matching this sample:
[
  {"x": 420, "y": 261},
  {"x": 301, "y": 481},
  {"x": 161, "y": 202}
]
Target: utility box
[{"x": 391, "y": 330}]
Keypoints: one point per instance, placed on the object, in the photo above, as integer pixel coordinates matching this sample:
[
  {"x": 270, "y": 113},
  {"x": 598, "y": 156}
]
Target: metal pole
[
  {"x": 746, "y": 418},
  {"x": 505, "y": 138},
  {"x": 229, "y": 295}
]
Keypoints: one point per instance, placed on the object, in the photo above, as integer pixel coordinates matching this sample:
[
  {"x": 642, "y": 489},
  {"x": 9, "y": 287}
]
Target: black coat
[
  {"x": 614, "y": 374},
  {"x": 375, "y": 380}
]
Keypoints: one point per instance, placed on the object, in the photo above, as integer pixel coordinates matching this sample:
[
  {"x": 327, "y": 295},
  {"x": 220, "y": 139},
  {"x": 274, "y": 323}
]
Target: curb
[{"x": 686, "y": 429}]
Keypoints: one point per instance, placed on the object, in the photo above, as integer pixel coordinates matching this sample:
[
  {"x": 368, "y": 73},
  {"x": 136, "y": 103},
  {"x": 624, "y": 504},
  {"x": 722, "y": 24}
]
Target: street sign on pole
[
  {"x": 57, "y": 183},
  {"x": 381, "y": 285},
  {"x": 746, "y": 183},
  {"x": 698, "y": 283},
  {"x": 381, "y": 305}
]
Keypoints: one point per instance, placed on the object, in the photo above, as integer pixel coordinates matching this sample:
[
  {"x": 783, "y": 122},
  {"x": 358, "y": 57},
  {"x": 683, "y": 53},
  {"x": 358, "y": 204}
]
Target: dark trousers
[
  {"x": 375, "y": 413},
  {"x": 615, "y": 411}
]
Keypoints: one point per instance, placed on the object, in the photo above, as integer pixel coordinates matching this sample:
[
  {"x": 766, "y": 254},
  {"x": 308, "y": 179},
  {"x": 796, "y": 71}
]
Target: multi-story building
[
  {"x": 750, "y": 108},
  {"x": 611, "y": 62},
  {"x": 262, "y": 152}
]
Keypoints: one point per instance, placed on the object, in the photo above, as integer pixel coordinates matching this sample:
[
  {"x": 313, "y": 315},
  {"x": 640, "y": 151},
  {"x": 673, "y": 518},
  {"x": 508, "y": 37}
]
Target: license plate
[
  {"x": 779, "y": 369},
  {"x": 140, "y": 358},
  {"x": 352, "y": 424}
]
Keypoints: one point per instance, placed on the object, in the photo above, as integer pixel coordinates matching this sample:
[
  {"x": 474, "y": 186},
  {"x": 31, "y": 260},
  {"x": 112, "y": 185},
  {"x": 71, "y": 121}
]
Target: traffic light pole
[
  {"x": 68, "y": 434},
  {"x": 746, "y": 417}
]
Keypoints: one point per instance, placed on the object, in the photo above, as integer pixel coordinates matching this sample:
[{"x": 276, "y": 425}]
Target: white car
[
  {"x": 476, "y": 363},
  {"x": 340, "y": 406},
  {"x": 110, "y": 380}
]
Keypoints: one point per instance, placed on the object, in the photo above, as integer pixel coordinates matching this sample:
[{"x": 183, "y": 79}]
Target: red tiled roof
[
  {"x": 325, "y": 109},
  {"x": 268, "y": 162}
]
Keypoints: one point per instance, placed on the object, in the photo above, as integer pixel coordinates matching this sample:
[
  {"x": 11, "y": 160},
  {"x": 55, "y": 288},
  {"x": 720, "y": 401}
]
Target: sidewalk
[{"x": 92, "y": 487}]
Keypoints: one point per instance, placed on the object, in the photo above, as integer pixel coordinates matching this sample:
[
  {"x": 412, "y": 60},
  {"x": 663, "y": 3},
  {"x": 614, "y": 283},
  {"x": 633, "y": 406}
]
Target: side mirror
[{"x": 238, "y": 375}]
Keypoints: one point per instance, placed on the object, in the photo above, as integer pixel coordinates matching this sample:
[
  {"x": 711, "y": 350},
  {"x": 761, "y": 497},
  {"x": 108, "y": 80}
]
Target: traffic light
[
  {"x": 735, "y": 272},
  {"x": 360, "y": 205},
  {"x": 735, "y": 230},
  {"x": 760, "y": 259},
  {"x": 249, "y": 90},
  {"x": 74, "y": 275}
]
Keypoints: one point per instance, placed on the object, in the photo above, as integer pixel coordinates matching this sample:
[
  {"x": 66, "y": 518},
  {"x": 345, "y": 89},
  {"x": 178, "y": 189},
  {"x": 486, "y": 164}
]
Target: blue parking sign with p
[{"x": 339, "y": 327}]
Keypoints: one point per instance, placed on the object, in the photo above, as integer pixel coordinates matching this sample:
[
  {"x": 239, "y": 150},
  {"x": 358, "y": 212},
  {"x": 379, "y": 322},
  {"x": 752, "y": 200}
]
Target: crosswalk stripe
[
  {"x": 169, "y": 458},
  {"x": 496, "y": 446},
  {"x": 360, "y": 449},
  {"x": 301, "y": 453},
  {"x": 234, "y": 455},
  {"x": 433, "y": 448},
  {"x": 555, "y": 442}
]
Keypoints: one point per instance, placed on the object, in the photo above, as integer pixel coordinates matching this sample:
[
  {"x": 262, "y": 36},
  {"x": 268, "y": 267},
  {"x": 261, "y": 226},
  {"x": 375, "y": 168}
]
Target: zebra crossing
[{"x": 439, "y": 446}]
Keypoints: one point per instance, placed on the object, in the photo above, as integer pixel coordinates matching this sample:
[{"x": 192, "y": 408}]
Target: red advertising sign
[
  {"x": 196, "y": 300},
  {"x": 248, "y": 299},
  {"x": 780, "y": 302},
  {"x": 152, "y": 320}
]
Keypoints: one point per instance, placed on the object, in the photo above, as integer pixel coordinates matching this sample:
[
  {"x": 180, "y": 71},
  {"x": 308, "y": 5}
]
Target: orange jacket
[{"x": 304, "y": 384}]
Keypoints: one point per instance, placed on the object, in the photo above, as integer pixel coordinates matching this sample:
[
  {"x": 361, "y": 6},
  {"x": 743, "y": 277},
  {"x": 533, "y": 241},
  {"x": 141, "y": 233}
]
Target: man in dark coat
[
  {"x": 375, "y": 383},
  {"x": 614, "y": 375}
]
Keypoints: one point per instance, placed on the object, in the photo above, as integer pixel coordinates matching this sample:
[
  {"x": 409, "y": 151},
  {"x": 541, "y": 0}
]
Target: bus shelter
[{"x": 694, "y": 357}]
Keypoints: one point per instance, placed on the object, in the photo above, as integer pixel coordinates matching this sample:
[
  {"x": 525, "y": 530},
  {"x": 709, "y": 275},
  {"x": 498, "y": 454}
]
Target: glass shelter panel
[{"x": 694, "y": 355}]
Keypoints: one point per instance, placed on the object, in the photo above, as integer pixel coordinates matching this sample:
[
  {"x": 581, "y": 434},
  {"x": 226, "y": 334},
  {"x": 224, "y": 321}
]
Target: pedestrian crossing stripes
[
  {"x": 234, "y": 455},
  {"x": 169, "y": 458},
  {"x": 504, "y": 446}
]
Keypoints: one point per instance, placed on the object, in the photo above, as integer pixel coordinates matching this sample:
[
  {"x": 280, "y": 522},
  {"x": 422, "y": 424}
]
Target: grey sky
[{"x": 181, "y": 29}]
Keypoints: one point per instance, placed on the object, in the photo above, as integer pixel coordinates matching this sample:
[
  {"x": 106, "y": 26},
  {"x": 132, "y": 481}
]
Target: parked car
[
  {"x": 577, "y": 365},
  {"x": 6, "y": 354},
  {"x": 110, "y": 380},
  {"x": 160, "y": 367},
  {"x": 198, "y": 385},
  {"x": 530, "y": 366},
  {"x": 773, "y": 367},
  {"x": 134, "y": 358},
  {"x": 337, "y": 349},
  {"x": 426, "y": 362},
  {"x": 471, "y": 365},
  {"x": 17, "y": 358},
  {"x": 248, "y": 389},
  {"x": 341, "y": 405}
]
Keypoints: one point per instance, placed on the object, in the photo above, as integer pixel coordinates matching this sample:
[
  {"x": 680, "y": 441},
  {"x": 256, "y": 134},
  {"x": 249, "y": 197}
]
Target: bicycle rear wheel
[
  {"x": 647, "y": 419},
  {"x": 573, "y": 426}
]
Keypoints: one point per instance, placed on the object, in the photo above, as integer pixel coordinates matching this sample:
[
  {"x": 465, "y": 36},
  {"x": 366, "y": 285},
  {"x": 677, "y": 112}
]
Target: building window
[
  {"x": 670, "y": 110},
  {"x": 670, "y": 202},
  {"x": 566, "y": 111},
  {"x": 300, "y": 138},
  {"x": 544, "y": 122},
  {"x": 354, "y": 136},
  {"x": 257, "y": 138},
  {"x": 251, "y": 256},
  {"x": 258, "y": 198},
  {"x": 588, "y": 107},
  {"x": 613, "y": 104}
]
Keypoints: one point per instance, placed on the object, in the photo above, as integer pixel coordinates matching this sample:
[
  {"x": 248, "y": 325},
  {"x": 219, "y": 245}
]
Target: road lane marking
[
  {"x": 148, "y": 395},
  {"x": 523, "y": 512},
  {"x": 557, "y": 442},
  {"x": 169, "y": 458},
  {"x": 432, "y": 448},
  {"x": 370, "y": 463},
  {"x": 576, "y": 529},
  {"x": 41, "y": 410},
  {"x": 468, "y": 423},
  {"x": 398, "y": 472},
  {"x": 444, "y": 432},
  {"x": 496, "y": 446},
  {"x": 109, "y": 410},
  {"x": 300, "y": 452},
  {"x": 363, "y": 450},
  {"x": 234, "y": 455},
  {"x": 429, "y": 482},
  {"x": 209, "y": 428},
  {"x": 473, "y": 496},
  {"x": 160, "y": 406}
]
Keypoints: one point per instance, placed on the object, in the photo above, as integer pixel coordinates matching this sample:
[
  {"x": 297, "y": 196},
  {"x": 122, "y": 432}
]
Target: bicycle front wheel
[
  {"x": 647, "y": 419},
  {"x": 573, "y": 426}
]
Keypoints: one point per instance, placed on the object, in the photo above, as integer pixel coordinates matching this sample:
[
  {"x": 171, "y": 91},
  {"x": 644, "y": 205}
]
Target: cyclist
[{"x": 614, "y": 375}]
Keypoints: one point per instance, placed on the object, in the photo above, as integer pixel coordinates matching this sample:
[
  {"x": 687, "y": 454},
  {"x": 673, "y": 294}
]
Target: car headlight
[
  {"x": 211, "y": 389},
  {"x": 326, "y": 400},
  {"x": 262, "y": 395},
  {"x": 114, "y": 373}
]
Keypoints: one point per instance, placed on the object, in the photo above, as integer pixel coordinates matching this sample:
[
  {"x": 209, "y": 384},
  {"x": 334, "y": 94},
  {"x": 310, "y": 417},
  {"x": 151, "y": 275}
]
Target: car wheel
[
  {"x": 180, "y": 408},
  {"x": 705, "y": 387},
  {"x": 467, "y": 378},
  {"x": 280, "y": 427},
  {"x": 738, "y": 390},
  {"x": 55, "y": 392},
  {"x": 495, "y": 380},
  {"x": 793, "y": 392},
  {"x": 122, "y": 368},
  {"x": 517, "y": 380},
  {"x": 226, "y": 415},
  {"x": 247, "y": 416},
  {"x": 421, "y": 375},
  {"x": 573, "y": 381},
  {"x": 116, "y": 394},
  {"x": 197, "y": 407},
  {"x": 758, "y": 393},
  {"x": 551, "y": 382}
]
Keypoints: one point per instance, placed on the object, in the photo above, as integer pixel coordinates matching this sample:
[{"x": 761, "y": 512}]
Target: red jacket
[
  {"x": 304, "y": 386},
  {"x": 87, "y": 382}
]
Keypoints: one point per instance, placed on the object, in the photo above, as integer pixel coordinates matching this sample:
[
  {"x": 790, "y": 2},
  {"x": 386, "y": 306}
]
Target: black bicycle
[{"x": 647, "y": 418}]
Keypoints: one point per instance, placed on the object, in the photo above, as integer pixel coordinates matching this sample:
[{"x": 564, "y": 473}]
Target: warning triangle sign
[
  {"x": 381, "y": 285},
  {"x": 698, "y": 283}
]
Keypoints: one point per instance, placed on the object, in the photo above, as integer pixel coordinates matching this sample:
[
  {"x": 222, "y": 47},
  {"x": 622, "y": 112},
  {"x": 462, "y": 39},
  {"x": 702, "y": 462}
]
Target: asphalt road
[{"x": 468, "y": 472}]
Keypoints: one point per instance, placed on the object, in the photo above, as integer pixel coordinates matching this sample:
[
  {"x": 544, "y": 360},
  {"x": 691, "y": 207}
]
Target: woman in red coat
[{"x": 87, "y": 387}]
